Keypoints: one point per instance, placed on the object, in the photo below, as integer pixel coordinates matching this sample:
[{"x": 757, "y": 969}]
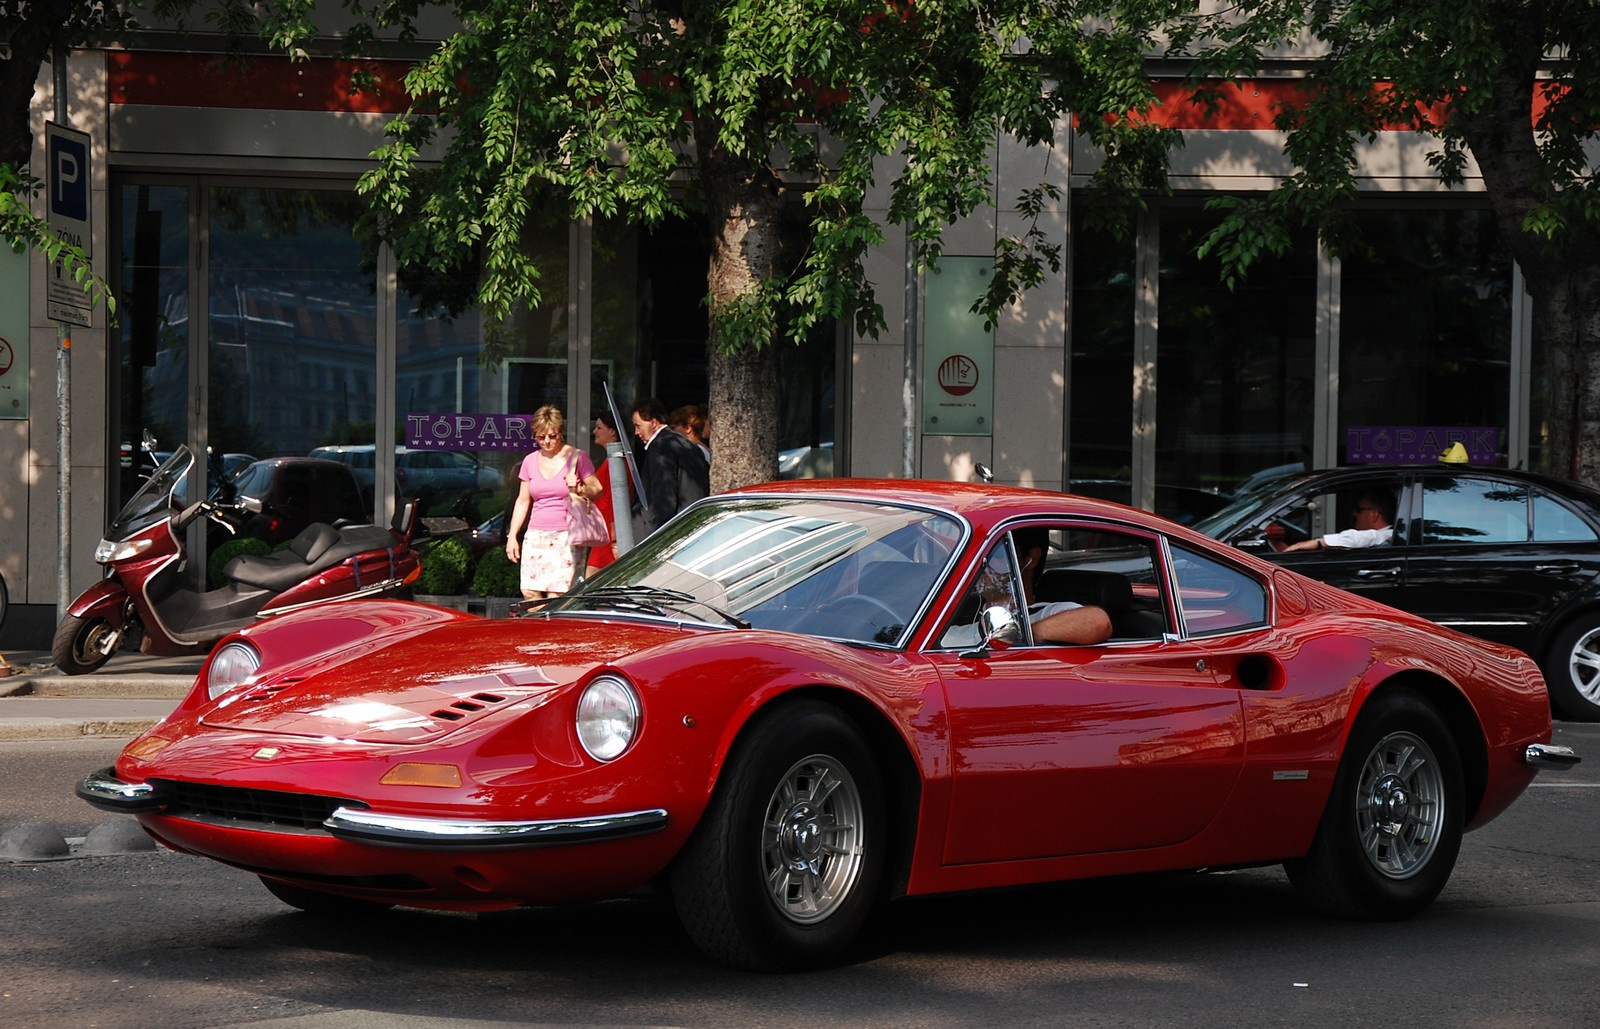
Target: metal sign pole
[{"x": 63, "y": 404}]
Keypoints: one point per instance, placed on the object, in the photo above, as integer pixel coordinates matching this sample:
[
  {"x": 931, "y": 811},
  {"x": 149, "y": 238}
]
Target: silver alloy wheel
[
  {"x": 1583, "y": 664},
  {"x": 1400, "y": 807},
  {"x": 811, "y": 839}
]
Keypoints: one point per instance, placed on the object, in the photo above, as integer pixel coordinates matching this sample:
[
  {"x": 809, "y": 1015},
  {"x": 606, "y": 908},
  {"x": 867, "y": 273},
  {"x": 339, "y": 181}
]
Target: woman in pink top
[{"x": 550, "y": 476}]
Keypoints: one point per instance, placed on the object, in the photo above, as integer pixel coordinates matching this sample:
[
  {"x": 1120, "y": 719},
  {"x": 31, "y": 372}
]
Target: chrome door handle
[
  {"x": 1378, "y": 573},
  {"x": 1560, "y": 568}
]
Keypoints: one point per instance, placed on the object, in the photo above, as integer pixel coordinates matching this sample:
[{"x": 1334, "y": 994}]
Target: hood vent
[{"x": 468, "y": 706}]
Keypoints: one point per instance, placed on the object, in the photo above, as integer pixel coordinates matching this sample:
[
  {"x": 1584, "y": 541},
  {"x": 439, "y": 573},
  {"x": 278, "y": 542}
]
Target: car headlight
[
  {"x": 608, "y": 717},
  {"x": 230, "y": 667}
]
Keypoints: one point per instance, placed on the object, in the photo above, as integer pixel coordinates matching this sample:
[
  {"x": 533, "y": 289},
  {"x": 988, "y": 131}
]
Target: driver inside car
[
  {"x": 1374, "y": 526},
  {"x": 1057, "y": 622}
]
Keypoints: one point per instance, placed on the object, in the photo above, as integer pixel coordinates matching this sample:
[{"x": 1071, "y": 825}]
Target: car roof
[
  {"x": 983, "y": 504},
  {"x": 1298, "y": 480}
]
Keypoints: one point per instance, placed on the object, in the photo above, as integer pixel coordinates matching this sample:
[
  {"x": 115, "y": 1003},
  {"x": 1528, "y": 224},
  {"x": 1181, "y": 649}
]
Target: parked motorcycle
[{"x": 144, "y": 588}]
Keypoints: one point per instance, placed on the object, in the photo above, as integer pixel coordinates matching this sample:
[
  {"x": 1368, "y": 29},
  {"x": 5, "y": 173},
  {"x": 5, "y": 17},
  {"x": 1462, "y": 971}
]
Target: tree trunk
[
  {"x": 1563, "y": 278},
  {"x": 1566, "y": 318},
  {"x": 744, "y": 206}
]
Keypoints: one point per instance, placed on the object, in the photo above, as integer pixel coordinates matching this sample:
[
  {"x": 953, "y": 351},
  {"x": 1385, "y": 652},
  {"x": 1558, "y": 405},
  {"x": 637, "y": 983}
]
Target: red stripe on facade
[{"x": 261, "y": 83}]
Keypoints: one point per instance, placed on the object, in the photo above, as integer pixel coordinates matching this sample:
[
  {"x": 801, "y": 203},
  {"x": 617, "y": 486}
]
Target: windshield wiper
[{"x": 641, "y": 597}]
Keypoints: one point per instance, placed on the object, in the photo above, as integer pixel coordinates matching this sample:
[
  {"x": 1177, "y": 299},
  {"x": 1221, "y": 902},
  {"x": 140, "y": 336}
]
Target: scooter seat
[{"x": 316, "y": 548}]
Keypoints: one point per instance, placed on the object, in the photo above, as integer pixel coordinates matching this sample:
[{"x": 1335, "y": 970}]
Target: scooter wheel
[{"x": 81, "y": 644}]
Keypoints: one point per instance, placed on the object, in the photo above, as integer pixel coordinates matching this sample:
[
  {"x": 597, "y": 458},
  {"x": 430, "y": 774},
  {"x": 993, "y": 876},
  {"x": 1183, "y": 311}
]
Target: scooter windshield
[{"x": 153, "y": 502}]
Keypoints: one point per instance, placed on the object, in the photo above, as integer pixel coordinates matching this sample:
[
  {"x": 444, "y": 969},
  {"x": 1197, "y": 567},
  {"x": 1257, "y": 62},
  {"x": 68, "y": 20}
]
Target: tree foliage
[
  {"x": 1510, "y": 86},
  {"x": 731, "y": 111}
]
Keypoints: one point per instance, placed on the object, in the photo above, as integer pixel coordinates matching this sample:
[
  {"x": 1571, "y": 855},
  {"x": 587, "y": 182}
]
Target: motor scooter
[{"x": 144, "y": 588}]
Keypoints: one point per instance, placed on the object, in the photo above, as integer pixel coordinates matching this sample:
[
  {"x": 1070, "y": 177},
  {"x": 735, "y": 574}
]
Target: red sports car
[{"x": 800, "y": 699}]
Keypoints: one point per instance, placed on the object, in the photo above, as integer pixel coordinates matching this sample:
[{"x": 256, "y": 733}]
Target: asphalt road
[{"x": 166, "y": 940}]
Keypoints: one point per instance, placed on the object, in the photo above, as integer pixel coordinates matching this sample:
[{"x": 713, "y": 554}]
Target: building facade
[{"x": 254, "y": 321}]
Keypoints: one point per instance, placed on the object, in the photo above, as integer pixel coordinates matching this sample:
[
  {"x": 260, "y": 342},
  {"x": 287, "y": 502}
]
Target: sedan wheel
[
  {"x": 1392, "y": 829},
  {"x": 784, "y": 866},
  {"x": 1573, "y": 672}
]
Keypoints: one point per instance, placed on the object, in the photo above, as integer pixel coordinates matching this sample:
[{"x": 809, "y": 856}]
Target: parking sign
[
  {"x": 68, "y": 180},
  {"x": 67, "y": 151}
]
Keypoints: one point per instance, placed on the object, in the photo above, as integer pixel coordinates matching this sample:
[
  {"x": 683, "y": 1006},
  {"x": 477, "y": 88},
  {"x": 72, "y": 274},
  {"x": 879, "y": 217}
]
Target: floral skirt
[{"x": 548, "y": 564}]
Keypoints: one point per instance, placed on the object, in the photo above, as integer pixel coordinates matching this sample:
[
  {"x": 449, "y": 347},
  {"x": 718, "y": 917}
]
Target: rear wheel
[
  {"x": 84, "y": 644},
  {"x": 1392, "y": 829},
  {"x": 318, "y": 903},
  {"x": 784, "y": 867},
  {"x": 1572, "y": 671}
]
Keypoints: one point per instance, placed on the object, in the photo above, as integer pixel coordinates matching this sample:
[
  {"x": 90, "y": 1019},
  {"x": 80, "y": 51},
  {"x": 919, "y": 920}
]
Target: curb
[{"x": 13, "y": 729}]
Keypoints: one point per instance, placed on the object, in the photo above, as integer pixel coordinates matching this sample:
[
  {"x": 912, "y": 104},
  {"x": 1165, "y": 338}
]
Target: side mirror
[
  {"x": 251, "y": 504},
  {"x": 998, "y": 628},
  {"x": 999, "y": 624}
]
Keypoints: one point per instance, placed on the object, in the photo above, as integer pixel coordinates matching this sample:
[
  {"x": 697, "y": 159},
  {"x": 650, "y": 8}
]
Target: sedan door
[
  {"x": 1496, "y": 557},
  {"x": 1326, "y": 506}
]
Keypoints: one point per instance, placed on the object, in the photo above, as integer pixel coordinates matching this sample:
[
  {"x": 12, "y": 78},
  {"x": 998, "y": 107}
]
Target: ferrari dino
[{"x": 799, "y": 700}]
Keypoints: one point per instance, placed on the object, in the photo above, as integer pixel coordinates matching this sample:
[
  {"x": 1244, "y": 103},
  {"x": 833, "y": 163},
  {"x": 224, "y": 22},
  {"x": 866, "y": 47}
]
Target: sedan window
[
  {"x": 1553, "y": 522},
  {"x": 1460, "y": 509}
]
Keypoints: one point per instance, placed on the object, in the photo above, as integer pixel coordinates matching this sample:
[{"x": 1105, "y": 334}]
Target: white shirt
[{"x": 1355, "y": 539}]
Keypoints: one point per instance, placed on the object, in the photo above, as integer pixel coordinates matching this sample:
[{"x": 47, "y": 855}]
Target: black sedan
[{"x": 1507, "y": 556}]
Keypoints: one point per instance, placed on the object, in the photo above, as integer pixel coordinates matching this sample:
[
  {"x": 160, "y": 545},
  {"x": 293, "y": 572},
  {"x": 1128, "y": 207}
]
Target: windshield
[
  {"x": 849, "y": 570},
  {"x": 153, "y": 501},
  {"x": 1245, "y": 505}
]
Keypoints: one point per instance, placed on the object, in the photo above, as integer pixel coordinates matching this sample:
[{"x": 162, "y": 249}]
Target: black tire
[
  {"x": 316, "y": 902},
  {"x": 1572, "y": 671},
  {"x": 784, "y": 867},
  {"x": 79, "y": 648},
  {"x": 5, "y": 600},
  {"x": 1392, "y": 829}
]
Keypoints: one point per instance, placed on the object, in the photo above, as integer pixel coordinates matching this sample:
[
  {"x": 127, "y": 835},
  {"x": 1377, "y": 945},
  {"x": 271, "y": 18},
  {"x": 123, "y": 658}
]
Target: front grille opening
[{"x": 249, "y": 806}]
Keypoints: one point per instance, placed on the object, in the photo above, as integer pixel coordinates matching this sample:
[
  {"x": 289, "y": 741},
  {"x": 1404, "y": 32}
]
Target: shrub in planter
[
  {"x": 230, "y": 550},
  {"x": 496, "y": 576},
  {"x": 444, "y": 568}
]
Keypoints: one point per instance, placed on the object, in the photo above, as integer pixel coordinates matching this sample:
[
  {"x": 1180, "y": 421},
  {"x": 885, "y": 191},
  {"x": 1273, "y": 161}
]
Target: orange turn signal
[{"x": 415, "y": 773}]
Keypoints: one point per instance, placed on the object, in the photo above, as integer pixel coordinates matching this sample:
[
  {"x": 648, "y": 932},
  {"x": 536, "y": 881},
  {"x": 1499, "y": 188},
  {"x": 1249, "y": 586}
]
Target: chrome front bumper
[
  {"x": 1550, "y": 755},
  {"x": 358, "y": 825},
  {"x": 372, "y": 827}
]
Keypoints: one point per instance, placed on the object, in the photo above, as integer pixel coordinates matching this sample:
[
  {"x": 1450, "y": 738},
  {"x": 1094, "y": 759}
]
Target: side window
[
  {"x": 1062, "y": 569},
  {"x": 1554, "y": 523},
  {"x": 1116, "y": 572},
  {"x": 1361, "y": 504},
  {"x": 1459, "y": 509},
  {"x": 1215, "y": 597}
]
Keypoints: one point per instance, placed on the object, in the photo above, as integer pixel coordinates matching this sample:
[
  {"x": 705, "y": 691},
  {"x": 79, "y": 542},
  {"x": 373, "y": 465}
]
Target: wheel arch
[
  {"x": 1459, "y": 717},
  {"x": 902, "y": 782}
]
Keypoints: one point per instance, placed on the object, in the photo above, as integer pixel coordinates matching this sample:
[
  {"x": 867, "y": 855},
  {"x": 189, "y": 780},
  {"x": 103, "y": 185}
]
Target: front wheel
[
  {"x": 1572, "y": 672},
  {"x": 784, "y": 867},
  {"x": 84, "y": 644},
  {"x": 1392, "y": 828}
]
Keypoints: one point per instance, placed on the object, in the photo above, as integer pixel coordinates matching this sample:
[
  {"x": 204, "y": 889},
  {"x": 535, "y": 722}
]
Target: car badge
[{"x": 266, "y": 753}]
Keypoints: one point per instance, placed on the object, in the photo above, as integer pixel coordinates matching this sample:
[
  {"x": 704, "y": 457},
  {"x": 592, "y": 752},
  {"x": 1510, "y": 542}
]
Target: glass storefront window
[
  {"x": 153, "y": 290},
  {"x": 1101, "y": 315},
  {"x": 1425, "y": 323},
  {"x": 291, "y": 320},
  {"x": 1235, "y": 368}
]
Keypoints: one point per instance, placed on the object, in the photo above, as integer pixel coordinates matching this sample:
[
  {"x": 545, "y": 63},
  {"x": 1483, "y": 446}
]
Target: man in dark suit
[{"x": 675, "y": 471}]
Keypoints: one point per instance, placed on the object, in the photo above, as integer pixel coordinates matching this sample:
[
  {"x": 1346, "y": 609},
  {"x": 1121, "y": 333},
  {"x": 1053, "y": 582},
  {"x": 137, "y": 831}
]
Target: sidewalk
[{"x": 127, "y": 695}]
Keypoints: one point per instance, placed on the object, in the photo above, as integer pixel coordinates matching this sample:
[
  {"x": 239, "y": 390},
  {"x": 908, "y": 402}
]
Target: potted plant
[
  {"x": 498, "y": 581},
  {"x": 444, "y": 573}
]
